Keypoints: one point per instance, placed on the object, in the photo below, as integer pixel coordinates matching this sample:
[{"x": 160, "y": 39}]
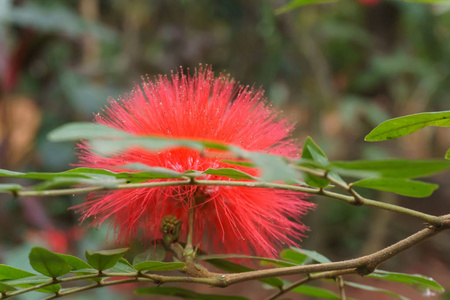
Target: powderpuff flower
[{"x": 227, "y": 219}]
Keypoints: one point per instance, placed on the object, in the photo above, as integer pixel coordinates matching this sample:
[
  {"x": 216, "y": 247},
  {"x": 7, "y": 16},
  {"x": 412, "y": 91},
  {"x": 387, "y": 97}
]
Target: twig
[
  {"x": 364, "y": 265},
  {"x": 341, "y": 285}
]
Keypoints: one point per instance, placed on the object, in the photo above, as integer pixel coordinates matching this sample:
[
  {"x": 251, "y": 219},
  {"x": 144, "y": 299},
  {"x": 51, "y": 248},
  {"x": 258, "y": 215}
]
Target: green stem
[
  {"x": 354, "y": 199},
  {"x": 189, "y": 249}
]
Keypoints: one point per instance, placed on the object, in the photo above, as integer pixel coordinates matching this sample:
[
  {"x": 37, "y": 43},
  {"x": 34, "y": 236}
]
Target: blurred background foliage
[{"x": 336, "y": 69}]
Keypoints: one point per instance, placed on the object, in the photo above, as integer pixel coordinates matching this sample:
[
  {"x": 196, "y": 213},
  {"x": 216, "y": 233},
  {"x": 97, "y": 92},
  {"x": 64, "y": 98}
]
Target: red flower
[{"x": 227, "y": 219}]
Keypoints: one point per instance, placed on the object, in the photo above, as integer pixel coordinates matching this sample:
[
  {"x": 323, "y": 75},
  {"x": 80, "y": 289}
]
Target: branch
[
  {"x": 363, "y": 265},
  {"x": 434, "y": 220}
]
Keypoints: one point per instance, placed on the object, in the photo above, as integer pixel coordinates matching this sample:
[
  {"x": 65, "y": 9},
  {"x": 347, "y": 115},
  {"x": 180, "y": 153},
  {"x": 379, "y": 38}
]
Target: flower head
[{"x": 227, "y": 219}]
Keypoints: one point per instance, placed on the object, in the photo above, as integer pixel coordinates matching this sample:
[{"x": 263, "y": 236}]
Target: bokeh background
[{"x": 336, "y": 69}]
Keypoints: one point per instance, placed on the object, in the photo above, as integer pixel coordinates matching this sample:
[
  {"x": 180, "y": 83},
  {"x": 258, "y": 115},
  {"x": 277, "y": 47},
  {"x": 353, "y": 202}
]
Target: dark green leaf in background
[
  {"x": 183, "y": 293},
  {"x": 405, "y": 187},
  {"x": 293, "y": 4},
  {"x": 447, "y": 155},
  {"x": 293, "y": 256},
  {"x": 374, "y": 289},
  {"x": 417, "y": 281},
  {"x": 301, "y": 256},
  {"x": 48, "y": 263},
  {"x": 104, "y": 259},
  {"x": 315, "y": 292},
  {"x": 402, "y": 126},
  {"x": 159, "y": 266}
]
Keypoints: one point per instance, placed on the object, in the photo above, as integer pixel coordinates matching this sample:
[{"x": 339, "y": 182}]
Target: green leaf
[
  {"x": 107, "y": 141},
  {"x": 110, "y": 147},
  {"x": 9, "y": 187},
  {"x": 75, "y": 262},
  {"x": 230, "y": 173},
  {"x": 239, "y": 163},
  {"x": 402, "y": 126},
  {"x": 158, "y": 253},
  {"x": 273, "y": 167},
  {"x": 159, "y": 266},
  {"x": 83, "y": 130},
  {"x": 94, "y": 173},
  {"x": 374, "y": 289},
  {"x": 312, "y": 152},
  {"x": 7, "y": 272},
  {"x": 104, "y": 181},
  {"x": 48, "y": 263},
  {"x": 447, "y": 155},
  {"x": 314, "y": 155},
  {"x": 393, "y": 168},
  {"x": 85, "y": 271},
  {"x": 6, "y": 288},
  {"x": 183, "y": 293},
  {"x": 265, "y": 260},
  {"x": 235, "y": 268},
  {"x": 123, "y": 266},
  {"x": 293, "y": 256},
  {"x": 315, "y": 292},
  {"x": 104, "y": 259},
  {"x": 405, "y": 187},
  {"x": 298, "y": 3},
  {"x": 420, "y": 282},
  {"x": 312, "y": 255},
  {"x": 33, "y": 281}
]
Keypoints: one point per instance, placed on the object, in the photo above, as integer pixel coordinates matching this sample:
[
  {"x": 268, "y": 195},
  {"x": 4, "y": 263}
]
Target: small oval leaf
[
  {"x": 6, "y": 288},
  {"x": 48, "y": 263},
  {"x": 104, "y": 259},
  {"x": 7, "y": 272},
  {"x": 75, "y": 262}
]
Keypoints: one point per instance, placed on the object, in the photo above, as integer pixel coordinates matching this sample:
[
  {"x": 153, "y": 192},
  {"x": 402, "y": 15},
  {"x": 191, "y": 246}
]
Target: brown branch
[{"x": 363, "y": 265}]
